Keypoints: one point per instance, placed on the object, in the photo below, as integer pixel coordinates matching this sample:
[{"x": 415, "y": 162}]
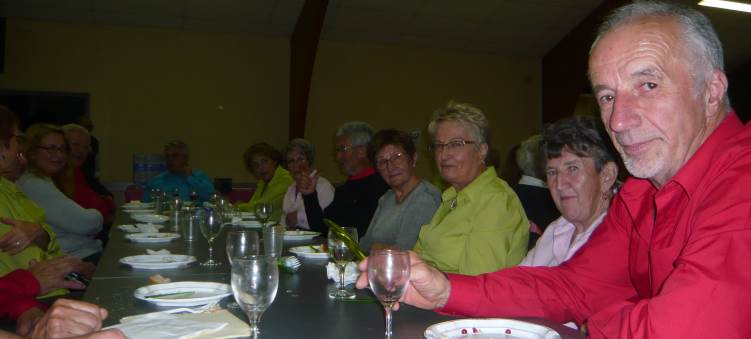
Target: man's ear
[
  {"x": 608, "y": 175},
  {"x": 715, "y": 91}
]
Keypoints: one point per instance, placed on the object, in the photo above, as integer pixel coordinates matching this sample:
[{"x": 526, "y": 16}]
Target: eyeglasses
[
  {"x": 295, "y": 161},
  {"x": 393, "y": 159},
  {"x": 449, "y": 146},
  {"x": 53, "y": 149},
  {"x": 343, "y": 149}
]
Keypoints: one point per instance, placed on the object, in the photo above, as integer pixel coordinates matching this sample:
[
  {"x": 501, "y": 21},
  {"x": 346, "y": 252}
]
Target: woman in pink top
[
  {"x": 581, "y": 173},
  {"x": 299, "y": 157}
]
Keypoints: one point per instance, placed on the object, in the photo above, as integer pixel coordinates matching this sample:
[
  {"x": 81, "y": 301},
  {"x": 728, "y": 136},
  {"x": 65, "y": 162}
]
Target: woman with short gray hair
[
  {"x": 299, "y": 156},
  {"x": 480, "y": 225}
]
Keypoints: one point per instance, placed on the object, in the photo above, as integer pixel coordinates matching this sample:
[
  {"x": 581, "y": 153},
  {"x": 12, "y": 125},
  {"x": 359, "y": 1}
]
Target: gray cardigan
[
  {"x": 75, "y": 226},
  {"x": 399, "y": 224}
]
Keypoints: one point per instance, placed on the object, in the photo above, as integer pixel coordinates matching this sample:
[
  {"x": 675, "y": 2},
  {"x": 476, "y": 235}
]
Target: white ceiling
[{"x": 517, "y": 27}]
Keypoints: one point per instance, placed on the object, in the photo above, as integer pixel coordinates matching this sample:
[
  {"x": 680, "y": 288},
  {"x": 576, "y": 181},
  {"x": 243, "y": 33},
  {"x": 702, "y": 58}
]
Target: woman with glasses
[
  {"x": 300, "y": 155},
  {"x": 45, "y": 182},
  {"x": 480, "y": 226},
  {"x": 264, "y": 162},
  {"x": 410, "y": 201}
]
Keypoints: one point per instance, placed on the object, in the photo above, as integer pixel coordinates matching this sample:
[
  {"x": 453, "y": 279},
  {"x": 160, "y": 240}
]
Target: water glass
[
  {"x": 191, "y": 219},
  {"x": 241, "y": 244},
  {"x": 255, "y": 280},
  {"x": 210, "y": 228},
  {"x": 264, "y": 211},
  {"x": 341, "y": 254},
  {"x": 273, "y": 240},
  {"x": 388, "y": 273}
]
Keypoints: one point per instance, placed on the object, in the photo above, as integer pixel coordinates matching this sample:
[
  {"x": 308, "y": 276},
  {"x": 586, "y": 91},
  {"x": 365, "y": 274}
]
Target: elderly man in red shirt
[{"x": 671, "y": 259}]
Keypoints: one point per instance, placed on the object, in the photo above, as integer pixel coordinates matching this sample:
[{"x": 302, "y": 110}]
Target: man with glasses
[
  {"x": 356, "y": 200},
  {"x": 180, "y": 178}
]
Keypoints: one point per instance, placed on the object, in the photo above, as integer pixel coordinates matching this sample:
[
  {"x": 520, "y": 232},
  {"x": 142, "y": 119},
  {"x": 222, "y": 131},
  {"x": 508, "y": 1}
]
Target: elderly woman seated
[
  {"x": 480, "y": 226},
  {"x": 581, "y": 173},
  {"x": 300, "y": 155},
  {"x": 411, "y": 201},
  {"x": 44, "y": 183},
  {"x": 264, "y": 162}
]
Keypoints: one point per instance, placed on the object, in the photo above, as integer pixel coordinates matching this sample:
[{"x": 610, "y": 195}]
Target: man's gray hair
[
  {"x": 179, "y": 145},
  {"x": 358, "y": 132},
  {"x": 701, "y": 40},
  {"x": 77, "y": 128},
  {"x": 464, "y": 114},
  {"x": 529, "y": 157},
  {"x": 303, "y": 146}
]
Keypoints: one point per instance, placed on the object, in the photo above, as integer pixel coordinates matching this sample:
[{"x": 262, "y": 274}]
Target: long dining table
[{"x": 302, "y": 308}]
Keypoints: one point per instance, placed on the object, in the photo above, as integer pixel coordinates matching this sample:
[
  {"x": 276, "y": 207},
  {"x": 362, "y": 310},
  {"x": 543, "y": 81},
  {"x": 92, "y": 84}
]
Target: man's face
[
  {"x": 80, "y": 146},
  {"x": 347, "y": 156},
  {"x": 177, "y": 161},
  {"x": 642, "y": 79}
]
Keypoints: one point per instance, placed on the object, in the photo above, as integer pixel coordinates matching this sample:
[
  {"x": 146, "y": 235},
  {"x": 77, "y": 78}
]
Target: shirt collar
[
  {"x": 362, "y": 174},
  {"x": 532, "y": 181},
  {"x": 474, "y": 187}
]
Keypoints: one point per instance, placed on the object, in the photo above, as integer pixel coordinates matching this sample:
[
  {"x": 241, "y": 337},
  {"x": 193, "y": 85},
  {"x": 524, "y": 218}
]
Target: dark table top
[{"x": 302, "y": 308}]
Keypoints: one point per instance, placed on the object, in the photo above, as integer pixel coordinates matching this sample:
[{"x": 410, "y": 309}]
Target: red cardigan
[
  {"x": 18, "y": 291},
  {"x": 88, "y": 198}
]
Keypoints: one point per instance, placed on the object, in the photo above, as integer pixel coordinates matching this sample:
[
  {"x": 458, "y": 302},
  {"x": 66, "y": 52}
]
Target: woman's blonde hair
[
  {"x": 34, "y": 135},
  {"x": 464, "y": 114}
]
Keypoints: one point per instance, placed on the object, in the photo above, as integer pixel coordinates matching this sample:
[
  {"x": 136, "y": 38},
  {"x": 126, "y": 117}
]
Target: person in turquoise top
[
  {"x": 264, "y": 162},
  {"x": 480, "y": 225},
  {"x": 179, "y": 177}
]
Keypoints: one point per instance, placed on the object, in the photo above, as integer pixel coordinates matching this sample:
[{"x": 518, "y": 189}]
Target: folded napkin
[
  {"x": 163, "y": 325},
  {"x": 235, "y": 327},
  {"x": 152, "y": 252},
  {"x": 350, "y": 273}
]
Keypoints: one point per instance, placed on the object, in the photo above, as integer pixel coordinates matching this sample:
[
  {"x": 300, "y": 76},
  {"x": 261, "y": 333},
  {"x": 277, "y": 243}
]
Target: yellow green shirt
[
  {"x": 15, "y": 204},
  {"x": 271, "y": 192},
  {"x": 480, "y": 229}
]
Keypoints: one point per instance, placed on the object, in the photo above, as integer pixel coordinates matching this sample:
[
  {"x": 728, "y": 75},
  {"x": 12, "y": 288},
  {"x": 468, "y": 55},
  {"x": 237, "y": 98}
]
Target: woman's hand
[
  {"x": 21, "y": 235},
  {"x": 51, "y": 273},
  {"x": 67, "y": 318},
  {"x": 307, "y": 182},
  {"x": 428, "y": 288}
]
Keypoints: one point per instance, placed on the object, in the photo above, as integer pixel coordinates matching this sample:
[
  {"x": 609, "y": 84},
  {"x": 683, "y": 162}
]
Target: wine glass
[
  {"x": 254, "y": 283},
  {"x": 263, "y": 212},
  {"x": 388, "y": 273},
  {"x": 241, "y": 244},
  {"x": 210, "y": 228},
  {"x": 341, "y": 254}
]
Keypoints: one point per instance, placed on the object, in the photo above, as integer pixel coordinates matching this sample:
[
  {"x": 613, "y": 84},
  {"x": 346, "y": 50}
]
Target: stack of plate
[
  {"x": 184, "y": 293},
  {"x": 152, "y": 237},
  {"x": 158, "y": 261},
  {"x": 489, "y": 328}
]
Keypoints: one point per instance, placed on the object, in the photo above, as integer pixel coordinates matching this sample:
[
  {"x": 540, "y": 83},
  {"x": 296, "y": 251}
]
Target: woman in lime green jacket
[{"x": 264, "y": 162}]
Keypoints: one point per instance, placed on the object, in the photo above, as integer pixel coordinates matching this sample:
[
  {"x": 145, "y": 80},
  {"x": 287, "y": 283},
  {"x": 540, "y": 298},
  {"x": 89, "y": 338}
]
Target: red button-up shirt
[
  {"x": 18, "y": 291},
  {"x": 667, "y": 263}
]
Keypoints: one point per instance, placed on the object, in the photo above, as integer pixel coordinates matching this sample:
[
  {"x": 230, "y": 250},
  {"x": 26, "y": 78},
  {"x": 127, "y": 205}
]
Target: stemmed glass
[
  {"x": 388, "y": 273},
  {"x": 341, "y": 254},
  {"x": 254, "y": 283},
  {"x": 241, "y": 244},
  {"x": 263, "y": 212},
  {"x": 210, "y": 228}
]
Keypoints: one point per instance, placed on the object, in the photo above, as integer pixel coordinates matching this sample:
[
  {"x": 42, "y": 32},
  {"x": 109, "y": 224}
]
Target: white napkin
[
  {"x": 152, "y": 252},
  {"x": 162, "y": 325},
  {"x": 350, "y": 273}
]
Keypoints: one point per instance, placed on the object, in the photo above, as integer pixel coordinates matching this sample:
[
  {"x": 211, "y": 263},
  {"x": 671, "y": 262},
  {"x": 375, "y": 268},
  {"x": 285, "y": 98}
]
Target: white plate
[
  {"x": 202, "y": 293},
  {"x": 489, "y": 328},
  {"x": 138, "y": 228},
  {"x": 247, "y": 223},
  {"x": 149, "y": 218},
  {"x": 138, "y": 204},
  {"x": 151, "y": 237},
  {"x": 308, "y": 252},
  {"x": 247, "y": 215},
  {"x": 141, "y": 211},
  {"x": 158, "y": 261},
  {"x": 300, "y": 235}
]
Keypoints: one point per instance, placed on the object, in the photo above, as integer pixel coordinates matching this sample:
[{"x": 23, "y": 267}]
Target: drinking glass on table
[
  {"x": 273, "y": 240},
  {"x": 388, "y": 273},
  {"x": 263, "y": 212},
  {"x": 254, "y": 283},
  {"x": 210, "y": 228},
  {"x": 341, "y": 254},
  {"x": 241, "y": 244}
]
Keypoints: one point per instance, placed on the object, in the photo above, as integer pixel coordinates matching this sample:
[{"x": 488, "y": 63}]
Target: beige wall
[
  {"x": 151, "y": 85},
  {"x": 400, "y": 87}
]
